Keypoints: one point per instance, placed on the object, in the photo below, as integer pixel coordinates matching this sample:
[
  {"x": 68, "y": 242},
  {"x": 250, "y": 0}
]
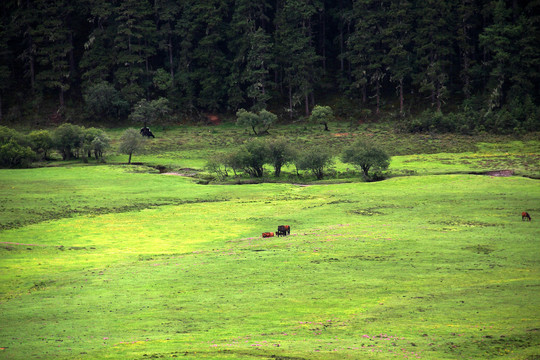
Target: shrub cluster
[
  {"x": 516, "y": 117},
  {"x": 72, "y": 141},
  {"x": 250, "y": 159}
]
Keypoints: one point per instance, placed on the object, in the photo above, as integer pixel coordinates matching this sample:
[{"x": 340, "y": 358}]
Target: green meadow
[{"x": 110, "y": 261}]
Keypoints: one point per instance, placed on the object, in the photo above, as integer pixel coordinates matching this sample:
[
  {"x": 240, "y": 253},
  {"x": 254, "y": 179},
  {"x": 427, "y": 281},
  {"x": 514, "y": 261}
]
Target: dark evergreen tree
[
  {"x": 23, "y": 22},
  {"x": 368, "y": 50},
  {"x": 204, "y": 61},
  {"x": 98, "y": 60},
  {"x": 5, "y": 71},
  {"x": 398, "y": 38},
  {"x": 252, "y": 49},
  {"x": 166, "y": 12},
  {"x": 135, "y": 42},
  {"x": 433, "y": 42},
  {"x": 53, "y": 40},
  {"x": 467, "y": 41}
]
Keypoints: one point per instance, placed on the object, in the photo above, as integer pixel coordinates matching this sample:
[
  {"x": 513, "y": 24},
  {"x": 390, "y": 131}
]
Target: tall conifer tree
[
  {"x": 295, "y": 50},
  {"x": 434, "y": 39}
]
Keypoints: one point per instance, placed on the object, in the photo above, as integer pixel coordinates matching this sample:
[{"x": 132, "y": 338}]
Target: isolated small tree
[
  {"x": 130, "y": 142},
  {"x": 150, "y": 112},
  {"x": 366, "y": 157},
  {"x": 41, "y": 142},
  {"x": 259, "y": 123},
  {"x": 100, "y": 144},
  {"x": 316, "y": 160},
  {"x": 280, "y": 153},
  {"x": 322, "y": 115},
  {"x": 253, "y": 157},
  {"x": 233, "y": 160},
  {"x": 68, "y": 139}
]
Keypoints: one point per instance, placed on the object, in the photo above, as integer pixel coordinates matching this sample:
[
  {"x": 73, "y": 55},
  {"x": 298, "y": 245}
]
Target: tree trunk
[
  {"x": 61, "y": 97},
  {"x": 171, "y": 61},
  {"x": 378, "y": 94},
  {"x": 129, "y": 161},
  {"x": 439, "y": 102},
  {"x": 72, "y": 67},
  {"x": 290, "y": 101},
  {"x": 306, "y": 97},
  {"x": 401, "y": 96},
  {"x": 1, "y": 107},
  {"x": 364, "y": 94},
  {"x": 32, "y": 68},
  {"x": 322, "y": 18}
]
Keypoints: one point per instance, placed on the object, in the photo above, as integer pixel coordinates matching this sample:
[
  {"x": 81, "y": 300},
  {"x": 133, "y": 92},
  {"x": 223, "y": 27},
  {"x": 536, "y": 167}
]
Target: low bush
[{"x": 13, "y": 155}]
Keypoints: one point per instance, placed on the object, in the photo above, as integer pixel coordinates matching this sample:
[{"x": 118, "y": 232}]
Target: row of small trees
[
  {"x": 261, "y": 122},
  {"x": 71, "y": 141},
  {"x": 252, "y": 157}
]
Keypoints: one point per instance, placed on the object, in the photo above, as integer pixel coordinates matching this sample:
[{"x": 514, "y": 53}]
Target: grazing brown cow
[
  {"x": 525, "y": 215},
  {"x": 283, "y": 230},
  {"x": 267, "y": 234}
]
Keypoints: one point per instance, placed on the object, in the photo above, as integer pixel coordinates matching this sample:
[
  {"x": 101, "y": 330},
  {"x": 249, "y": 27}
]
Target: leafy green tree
[
  {"x": 100, "y": 144},
  {"x": 130, "y": 142},
  {"x": 104, "y": 101},
  {"x": 322, "y": 115},
  {"x": 14, "y": 155},
  {"x": 280, "y": 153},
  {"x": 150, "y": 112},
  {"x": 316, "y": 160},
  {"x": 68, "y": 139},
  {"x": 366, "y": 157},
  {"x": 42, "y": 142},
  {"x": 253, "y": 157},
  {"x": 259, "y": 123},
  {"x": 8, "y": 134}
]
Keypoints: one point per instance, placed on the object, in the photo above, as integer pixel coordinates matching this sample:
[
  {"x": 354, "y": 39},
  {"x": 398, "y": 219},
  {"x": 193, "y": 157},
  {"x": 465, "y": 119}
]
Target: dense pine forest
[{"x": 457, "y": 65}]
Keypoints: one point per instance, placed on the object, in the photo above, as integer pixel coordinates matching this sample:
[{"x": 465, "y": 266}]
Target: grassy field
[{"x": 121, "y": 262}]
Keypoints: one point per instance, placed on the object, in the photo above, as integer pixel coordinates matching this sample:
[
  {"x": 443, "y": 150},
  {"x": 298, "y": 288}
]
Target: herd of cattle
[{"x": 282, "y": 230}]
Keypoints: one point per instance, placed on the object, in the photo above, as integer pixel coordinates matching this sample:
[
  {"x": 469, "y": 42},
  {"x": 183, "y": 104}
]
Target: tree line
[
  {"x": 223, "y": 55},
  {"x": 251, "y": 158}
]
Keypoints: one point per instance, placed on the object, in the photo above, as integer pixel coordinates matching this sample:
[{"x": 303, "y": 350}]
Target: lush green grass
[{"x": 122, "y": 263}]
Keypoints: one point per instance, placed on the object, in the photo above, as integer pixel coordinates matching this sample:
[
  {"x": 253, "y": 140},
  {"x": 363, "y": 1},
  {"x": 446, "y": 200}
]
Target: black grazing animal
[
  {"x": 146, "y": 132},
  {"x": 283, "y": 230},
  {"x": 525, "y": 215}
]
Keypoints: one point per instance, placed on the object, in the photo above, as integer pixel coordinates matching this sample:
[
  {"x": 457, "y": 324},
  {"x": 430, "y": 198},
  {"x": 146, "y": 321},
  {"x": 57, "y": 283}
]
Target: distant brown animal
[
  {"x": 283, "y": 230},
  {"x": 267, "y": 234},
  {"x": 525, "y": 215}
]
